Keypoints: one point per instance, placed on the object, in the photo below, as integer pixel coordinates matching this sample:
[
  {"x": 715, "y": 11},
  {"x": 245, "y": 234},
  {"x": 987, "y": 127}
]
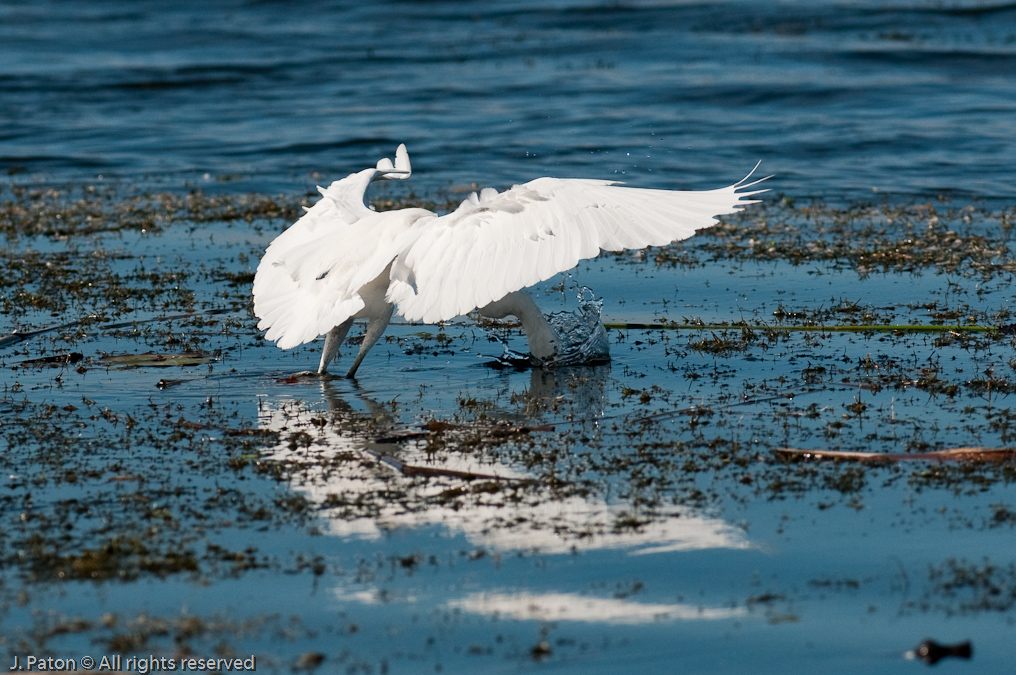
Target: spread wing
[
  {"x": 497, "y": 243},
  {"x": 310, "y": 278}
]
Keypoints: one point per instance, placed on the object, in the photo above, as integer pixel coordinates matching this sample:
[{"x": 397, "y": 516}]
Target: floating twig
[
  {"x": 20, "y": 336},
  {"x": 155, "y": 360},
  {"x": 429, "y": 471},
  {"x": 932, "y": 652},
  {"x": 437, "y": 427},
  {"x": 967, "y": 454},
  {"x": 55, "y": 360}
]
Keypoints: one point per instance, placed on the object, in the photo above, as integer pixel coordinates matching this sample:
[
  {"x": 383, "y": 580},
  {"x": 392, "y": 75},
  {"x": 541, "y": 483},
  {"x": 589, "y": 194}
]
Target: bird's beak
[
  {"x": 400, "y": 170},
  {"x": 391, "y": 174}
]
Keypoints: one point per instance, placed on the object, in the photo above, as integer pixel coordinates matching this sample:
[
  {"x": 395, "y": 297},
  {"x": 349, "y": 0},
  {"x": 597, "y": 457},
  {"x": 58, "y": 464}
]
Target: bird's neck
[{"x": 540, "y": 335}]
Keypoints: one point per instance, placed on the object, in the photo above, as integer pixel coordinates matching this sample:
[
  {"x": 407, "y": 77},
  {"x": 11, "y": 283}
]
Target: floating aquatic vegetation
[
  {"x": 90, "y": 209},
  {"x": 868, "y": 239},
  {"x": 232, "y": 470}
]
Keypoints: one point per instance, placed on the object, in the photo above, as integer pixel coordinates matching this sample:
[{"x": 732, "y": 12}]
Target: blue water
[
  {"x": 844, "y": 102},
  {"x": 839, "y": 99}
]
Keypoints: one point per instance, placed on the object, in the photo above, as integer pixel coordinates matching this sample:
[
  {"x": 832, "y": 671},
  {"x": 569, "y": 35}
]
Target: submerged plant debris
[{"x": 164, "y": 467}]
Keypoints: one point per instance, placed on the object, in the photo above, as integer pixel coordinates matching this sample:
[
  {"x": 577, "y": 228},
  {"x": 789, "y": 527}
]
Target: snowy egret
[{"x": 344, "y": 261}]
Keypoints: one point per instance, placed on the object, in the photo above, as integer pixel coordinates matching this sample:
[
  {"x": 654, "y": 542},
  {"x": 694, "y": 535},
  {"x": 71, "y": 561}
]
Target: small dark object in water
[
  {"x": 541, "y": 650},
  {"x": 309, "y": 661},
  {"x": 932, "y": 652},
  {"x": 166, "y": 384},
  {"x": 1008, "y": 329}
]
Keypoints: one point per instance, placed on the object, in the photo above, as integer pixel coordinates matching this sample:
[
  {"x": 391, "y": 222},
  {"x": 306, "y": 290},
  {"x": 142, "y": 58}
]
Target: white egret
[{"x": 344, "y": 261}]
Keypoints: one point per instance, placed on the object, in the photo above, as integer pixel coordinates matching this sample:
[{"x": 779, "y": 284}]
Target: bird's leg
[
  {"x": 375, "y": 329},
  {"x": 540, "y": 334},
  {"x": 332, "y": 342}
]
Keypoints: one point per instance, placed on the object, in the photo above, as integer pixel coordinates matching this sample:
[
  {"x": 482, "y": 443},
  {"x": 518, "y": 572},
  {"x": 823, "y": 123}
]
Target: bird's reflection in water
[{"x": 355, "y": 460}]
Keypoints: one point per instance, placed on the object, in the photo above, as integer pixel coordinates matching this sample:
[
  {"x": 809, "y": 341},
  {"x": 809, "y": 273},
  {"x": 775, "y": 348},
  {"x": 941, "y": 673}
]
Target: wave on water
[{"x": 841, "y": 99}]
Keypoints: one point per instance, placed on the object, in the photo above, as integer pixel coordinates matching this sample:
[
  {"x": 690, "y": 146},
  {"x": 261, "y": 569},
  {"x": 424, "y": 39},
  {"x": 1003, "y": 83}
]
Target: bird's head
[{"x": 400, "y": 170}]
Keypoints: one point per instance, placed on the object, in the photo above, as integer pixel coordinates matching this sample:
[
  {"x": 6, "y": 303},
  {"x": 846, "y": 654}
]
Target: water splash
[{"x": 581, "y": 338}]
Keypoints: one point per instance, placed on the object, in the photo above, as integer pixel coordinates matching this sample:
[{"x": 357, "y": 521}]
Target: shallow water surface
[{"x": 175, "y": 486}]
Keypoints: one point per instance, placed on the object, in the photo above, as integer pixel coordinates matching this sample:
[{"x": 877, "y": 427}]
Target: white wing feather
[
  {"x": 494, "y": 244},
  {"x": 309, "y": 278},
  {"x": 302, "y": 291}
]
